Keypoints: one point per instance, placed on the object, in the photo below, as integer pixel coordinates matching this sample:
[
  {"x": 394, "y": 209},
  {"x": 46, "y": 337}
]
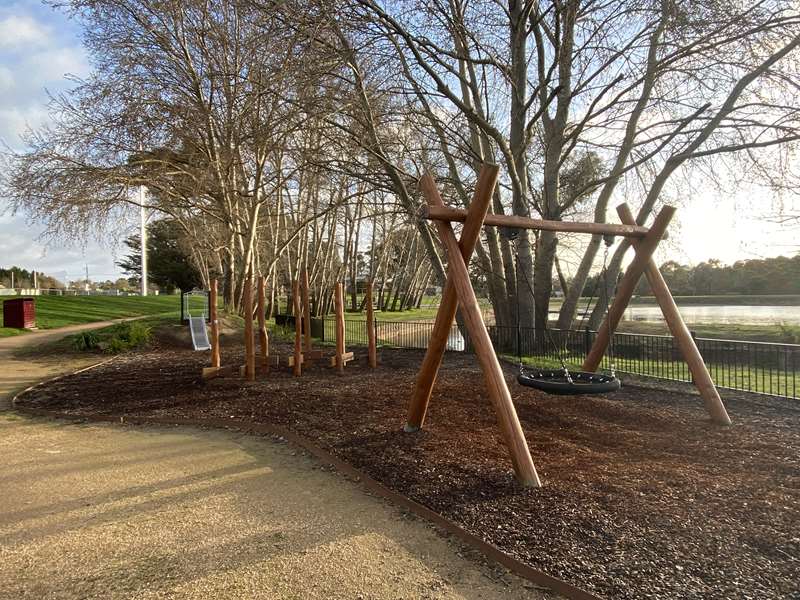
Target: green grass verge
[
  {"x": 763, "y": 380},
  {"x": 779, "y": 333},
  {"x": 59, "y": 311},
  {"x": 113, "y": 339},
  {"x": 416, "y": 314}
]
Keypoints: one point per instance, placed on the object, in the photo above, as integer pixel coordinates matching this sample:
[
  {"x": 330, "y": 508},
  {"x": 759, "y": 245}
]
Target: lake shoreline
[{"x": 727, "y": 300}]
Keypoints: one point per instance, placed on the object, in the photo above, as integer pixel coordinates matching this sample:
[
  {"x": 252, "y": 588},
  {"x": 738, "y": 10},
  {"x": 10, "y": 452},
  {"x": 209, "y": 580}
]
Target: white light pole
[{"x": 143, "y": 236}]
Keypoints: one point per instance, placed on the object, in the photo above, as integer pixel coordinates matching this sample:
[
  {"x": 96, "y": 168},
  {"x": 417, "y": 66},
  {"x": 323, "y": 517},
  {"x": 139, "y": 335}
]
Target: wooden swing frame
[{"x": 459, "y": 293}]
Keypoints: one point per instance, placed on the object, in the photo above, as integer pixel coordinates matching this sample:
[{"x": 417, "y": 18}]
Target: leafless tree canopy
[{"x": 289, "y": 134}]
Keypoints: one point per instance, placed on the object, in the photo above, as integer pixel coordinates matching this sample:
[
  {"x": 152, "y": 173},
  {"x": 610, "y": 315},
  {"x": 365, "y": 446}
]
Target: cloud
[
  {"x": 35, "y": 56},
  {"x": 7, "y": 81},
  {"x": 20, "y": 31},
  {"x": 20, "y": 245},
  {"x": 15, "y": 121},
  {"x": 38, "y": 48},
  {"x": 52, "y": 64}
]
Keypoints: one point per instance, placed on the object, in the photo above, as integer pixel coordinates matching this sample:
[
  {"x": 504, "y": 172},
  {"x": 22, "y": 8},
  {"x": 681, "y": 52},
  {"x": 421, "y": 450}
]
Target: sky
[{"x": 40, "y": 46}]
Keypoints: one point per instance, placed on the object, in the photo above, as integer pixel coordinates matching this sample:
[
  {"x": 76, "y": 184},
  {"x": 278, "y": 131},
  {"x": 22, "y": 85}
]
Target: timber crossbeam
[{"x": 450, "y": 214}]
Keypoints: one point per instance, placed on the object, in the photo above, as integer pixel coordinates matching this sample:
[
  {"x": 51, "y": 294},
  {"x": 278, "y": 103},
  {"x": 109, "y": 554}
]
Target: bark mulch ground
[{"x": 644, "y": 497}]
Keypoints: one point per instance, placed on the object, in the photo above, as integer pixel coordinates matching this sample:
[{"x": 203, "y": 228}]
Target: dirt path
[
  {"x": 110, "y": 512},
  {"x": 16, "y": 374}
]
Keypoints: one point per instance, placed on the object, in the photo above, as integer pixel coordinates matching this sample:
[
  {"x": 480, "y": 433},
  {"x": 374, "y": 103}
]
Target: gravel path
[
  {"x": 16, "y": 374},
  {"x": 109, "y": 512}
]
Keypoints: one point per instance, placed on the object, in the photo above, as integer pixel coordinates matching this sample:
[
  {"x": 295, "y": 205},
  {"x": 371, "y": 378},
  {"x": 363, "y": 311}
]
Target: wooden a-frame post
[
  {"x": 499, "y": 393},
  {"x": 680, "y": 332},
  {"x": 445, "y": 316},
  {"x": 643, "y": 264},
  {"x": 627, "y": 285}
]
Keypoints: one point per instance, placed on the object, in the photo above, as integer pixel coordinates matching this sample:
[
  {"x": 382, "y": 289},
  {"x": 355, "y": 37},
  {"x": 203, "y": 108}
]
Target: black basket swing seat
[
  {"x": 563, "y": 381},
  {"x": 568, "y": 383}
]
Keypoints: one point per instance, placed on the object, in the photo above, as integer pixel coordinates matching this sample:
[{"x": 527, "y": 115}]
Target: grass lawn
[
  {"x": 60, "y": 311},
  {"x": 415, "y": 314},
  {"x": 763, "y": 380},
  {"x": 756, "y": 333},
  {"x": 780, "y": 334}
]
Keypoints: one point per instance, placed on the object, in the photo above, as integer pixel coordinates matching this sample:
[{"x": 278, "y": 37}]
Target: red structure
[{"x": 19, "y": 313}]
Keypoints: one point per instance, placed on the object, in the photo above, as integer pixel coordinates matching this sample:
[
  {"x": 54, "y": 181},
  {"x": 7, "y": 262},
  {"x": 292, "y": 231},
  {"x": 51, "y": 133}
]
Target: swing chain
[
  {"x": 559, "y": 354},
  {"x": 609, "y": 241}
]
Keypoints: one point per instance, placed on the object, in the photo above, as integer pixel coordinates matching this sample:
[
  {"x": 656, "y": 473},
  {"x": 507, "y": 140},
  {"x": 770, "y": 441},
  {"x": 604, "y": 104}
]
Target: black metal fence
[{"x": 760, "y": 367}]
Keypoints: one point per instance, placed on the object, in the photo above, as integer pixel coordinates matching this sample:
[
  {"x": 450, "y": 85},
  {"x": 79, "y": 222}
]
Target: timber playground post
[
  {"x": 371, "y": 334},
  {"x": 249, "y": 342}
]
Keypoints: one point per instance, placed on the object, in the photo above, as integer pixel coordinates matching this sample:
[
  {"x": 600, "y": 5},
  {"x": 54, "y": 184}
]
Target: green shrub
[
  {"x": 119, "y": 338},
  {"x": 282, "y": 332},
  {"x": 127, "y": 336},
  {"x": 86, "y": 341}
]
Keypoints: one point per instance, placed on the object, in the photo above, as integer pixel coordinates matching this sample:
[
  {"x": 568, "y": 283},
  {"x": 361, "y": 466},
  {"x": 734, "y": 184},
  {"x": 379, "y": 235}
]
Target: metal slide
[{"x": 197, "y": 325}]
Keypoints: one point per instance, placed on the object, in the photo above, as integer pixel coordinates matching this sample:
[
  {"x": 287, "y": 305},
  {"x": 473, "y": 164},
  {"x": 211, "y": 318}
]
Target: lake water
[
  {"x": 697, "y": 314},
  {"x": 731, "y": 315}
]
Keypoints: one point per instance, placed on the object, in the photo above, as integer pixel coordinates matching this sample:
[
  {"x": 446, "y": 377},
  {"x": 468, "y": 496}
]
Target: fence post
[{"x": 587, "y": 340}]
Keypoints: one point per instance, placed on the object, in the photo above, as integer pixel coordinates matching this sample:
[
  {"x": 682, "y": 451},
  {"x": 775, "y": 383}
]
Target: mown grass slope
[{"x": 60, "y": 311}]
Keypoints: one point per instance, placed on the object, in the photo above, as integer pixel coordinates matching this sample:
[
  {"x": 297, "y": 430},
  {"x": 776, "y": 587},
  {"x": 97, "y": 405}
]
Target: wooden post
[
  {"x": 646, "y": 247},
  {"x": 306, "y": 313},
  {"x": 683, "y": 337},
  {"x": 298, "y": 329},
  {"x": 423, "y": 388},
  {"x": 249, "y": 342},
  {"x": 263, "y": 338},
  {"x": 213, "y": 296},
  {"x": 373, "y": 350},
  {"x": 495, "y": 381},
  {"x": 339, "y": 300}
]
